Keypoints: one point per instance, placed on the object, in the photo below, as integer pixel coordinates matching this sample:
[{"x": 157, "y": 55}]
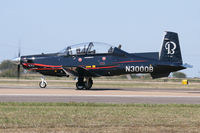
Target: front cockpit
[{"x": 88, "y": 48}]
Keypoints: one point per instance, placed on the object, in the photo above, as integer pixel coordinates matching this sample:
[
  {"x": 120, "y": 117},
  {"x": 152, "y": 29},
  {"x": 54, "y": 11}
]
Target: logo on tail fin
[{"x": 170, "y": 47}]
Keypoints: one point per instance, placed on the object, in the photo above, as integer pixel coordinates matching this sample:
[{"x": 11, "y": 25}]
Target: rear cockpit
[{"x": 88, "y": 48}]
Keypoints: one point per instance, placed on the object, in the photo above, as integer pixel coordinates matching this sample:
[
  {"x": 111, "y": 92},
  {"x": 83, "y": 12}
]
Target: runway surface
[{"x": 99, "y": 95}]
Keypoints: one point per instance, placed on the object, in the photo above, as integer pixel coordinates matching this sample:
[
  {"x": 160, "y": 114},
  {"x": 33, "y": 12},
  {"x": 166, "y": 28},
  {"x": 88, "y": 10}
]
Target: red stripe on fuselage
[
  {"x": 52, "y": 67},
  {"x": 45, "y": 69},
  {"x": 42, "y": 65},
  {"x": 102, "y": 67}
]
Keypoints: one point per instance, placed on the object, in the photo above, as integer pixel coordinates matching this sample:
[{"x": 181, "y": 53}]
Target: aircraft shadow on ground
[{"x": 104, "y": 89}]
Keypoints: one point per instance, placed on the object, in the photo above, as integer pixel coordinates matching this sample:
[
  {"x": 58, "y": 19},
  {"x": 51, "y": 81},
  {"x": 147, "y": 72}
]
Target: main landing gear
[
  {"x": 81, "y": 84},
  {"x": 43, "y": 83}
]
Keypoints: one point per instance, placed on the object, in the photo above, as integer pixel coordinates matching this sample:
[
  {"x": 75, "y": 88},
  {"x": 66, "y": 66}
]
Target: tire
[
  {"x": 88, "y": 85},
  {"x": 79, "y": 87},
  {"x": 42, "y": 84}
]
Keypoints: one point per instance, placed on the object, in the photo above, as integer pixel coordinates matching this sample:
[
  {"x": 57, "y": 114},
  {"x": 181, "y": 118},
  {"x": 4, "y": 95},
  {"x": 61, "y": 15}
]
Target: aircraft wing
[{"x": 78, "y": 71}]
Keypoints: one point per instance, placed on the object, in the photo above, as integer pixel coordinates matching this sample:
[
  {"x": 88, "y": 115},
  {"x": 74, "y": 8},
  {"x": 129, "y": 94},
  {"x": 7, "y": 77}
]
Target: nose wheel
[
  {"x": 43, "y": 83},
  {"x": 81, "y": 84}
]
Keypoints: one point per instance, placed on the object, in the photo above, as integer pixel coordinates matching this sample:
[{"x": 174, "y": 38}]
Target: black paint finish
[{"x": 87, "y": 62}]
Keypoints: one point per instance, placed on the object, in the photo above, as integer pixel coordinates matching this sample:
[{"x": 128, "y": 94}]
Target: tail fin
[{"x": 170, "y": 51}]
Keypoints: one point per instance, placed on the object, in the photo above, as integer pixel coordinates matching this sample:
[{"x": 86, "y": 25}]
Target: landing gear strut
[
  {"x": 81, "y": 84},
  {"x": 43, "y": 83}
]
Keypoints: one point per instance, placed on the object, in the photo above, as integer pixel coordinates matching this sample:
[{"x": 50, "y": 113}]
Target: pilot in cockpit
[
  {"x": 78, "y": 51},
  {"x": 83, "y": 50},
  {"x": 69, "y": 51},
  {"x": 110, "y": 50}
]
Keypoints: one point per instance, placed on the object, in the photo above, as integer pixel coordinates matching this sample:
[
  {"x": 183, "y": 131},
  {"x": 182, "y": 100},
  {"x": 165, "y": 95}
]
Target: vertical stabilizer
[{"x": 170, "y": 50}]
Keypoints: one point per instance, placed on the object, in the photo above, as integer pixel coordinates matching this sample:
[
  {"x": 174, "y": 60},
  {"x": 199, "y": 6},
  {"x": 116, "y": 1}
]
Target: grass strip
[{"x": 98, "y": 117}]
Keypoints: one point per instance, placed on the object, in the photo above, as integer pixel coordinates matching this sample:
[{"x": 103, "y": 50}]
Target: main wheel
[
  {"x": 88, "y": 84},
  {"x": 79, "y": 86},
  {"x": 42, "y": 84}
]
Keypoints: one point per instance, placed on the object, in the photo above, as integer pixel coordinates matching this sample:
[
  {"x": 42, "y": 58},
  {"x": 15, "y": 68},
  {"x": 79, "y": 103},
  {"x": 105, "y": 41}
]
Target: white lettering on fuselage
[{"x": 139, "y": 69}]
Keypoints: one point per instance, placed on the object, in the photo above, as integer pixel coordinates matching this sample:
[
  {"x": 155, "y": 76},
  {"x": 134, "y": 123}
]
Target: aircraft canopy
[{"x": 88, "y": 48}]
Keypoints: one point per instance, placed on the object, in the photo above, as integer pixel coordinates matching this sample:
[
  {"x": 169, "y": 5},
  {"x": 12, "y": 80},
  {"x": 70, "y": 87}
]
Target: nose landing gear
[
  {"x": 43, "y": 83},
  {"x": 81, "y": 84}
]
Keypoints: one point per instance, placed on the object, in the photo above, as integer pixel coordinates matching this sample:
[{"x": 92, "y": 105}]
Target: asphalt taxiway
[{"x": 99, "y": 95}]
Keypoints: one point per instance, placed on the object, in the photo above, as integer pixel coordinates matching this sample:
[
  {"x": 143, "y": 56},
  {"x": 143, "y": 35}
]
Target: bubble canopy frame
[{"x": 88, "y": 48}]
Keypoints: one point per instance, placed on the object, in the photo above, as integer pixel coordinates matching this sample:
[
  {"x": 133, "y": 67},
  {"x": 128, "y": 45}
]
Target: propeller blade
[
  {"x": 19, "y": 52},
  {"x": 18, "y": 71},
  {"x": 19, "y": 56}
]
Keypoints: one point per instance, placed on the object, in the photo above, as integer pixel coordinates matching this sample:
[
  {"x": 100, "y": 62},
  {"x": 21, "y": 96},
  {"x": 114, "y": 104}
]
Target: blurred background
[{"x": 48, "y": 26}]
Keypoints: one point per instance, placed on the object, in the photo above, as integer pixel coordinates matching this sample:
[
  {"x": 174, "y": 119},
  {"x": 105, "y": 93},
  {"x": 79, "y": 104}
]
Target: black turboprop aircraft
[{"x": 93, "y": 59}]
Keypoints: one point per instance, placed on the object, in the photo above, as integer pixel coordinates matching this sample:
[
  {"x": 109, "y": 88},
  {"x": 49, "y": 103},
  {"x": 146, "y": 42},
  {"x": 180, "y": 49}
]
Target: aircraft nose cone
[{"x": 16, "y": 60}]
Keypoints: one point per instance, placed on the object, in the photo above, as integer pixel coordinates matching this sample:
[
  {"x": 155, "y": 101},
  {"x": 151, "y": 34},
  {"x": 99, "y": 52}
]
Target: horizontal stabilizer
[{"x": 187, "y": 65}]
